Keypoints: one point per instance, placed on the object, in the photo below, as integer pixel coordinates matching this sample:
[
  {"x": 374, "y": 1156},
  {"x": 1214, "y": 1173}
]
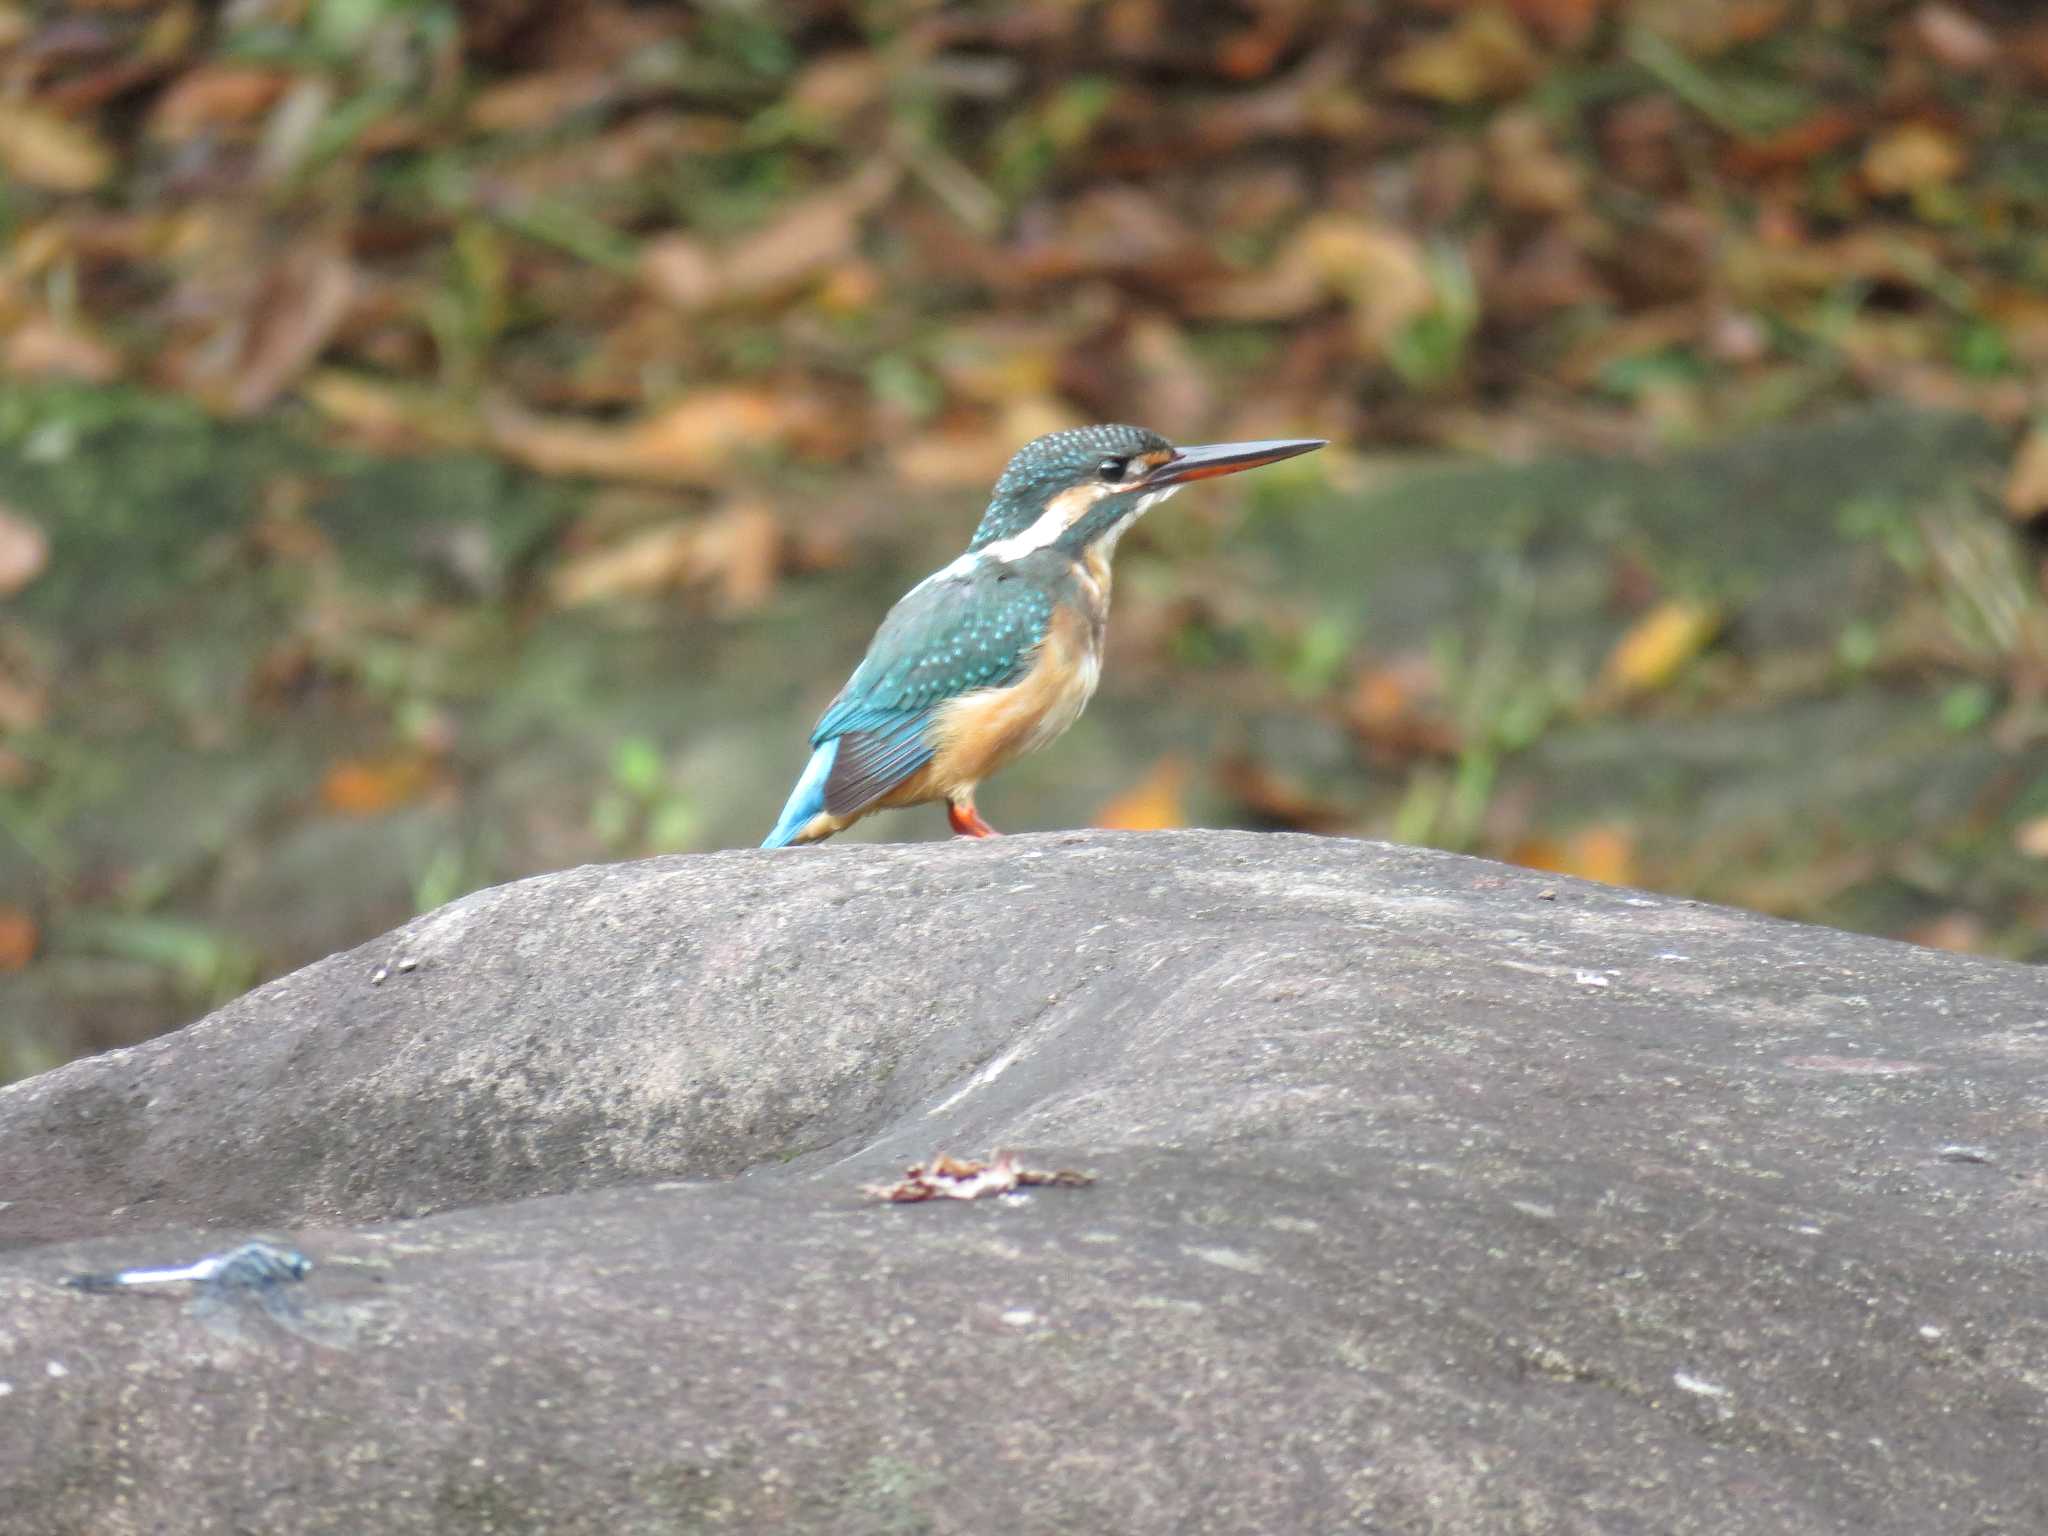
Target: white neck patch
[{"x": 1061, "y": 513}]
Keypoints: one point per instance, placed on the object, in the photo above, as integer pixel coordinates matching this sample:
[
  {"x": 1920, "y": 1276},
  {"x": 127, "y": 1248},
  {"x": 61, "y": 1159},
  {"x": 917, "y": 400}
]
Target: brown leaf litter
[{"x": 955, "y": 1178}]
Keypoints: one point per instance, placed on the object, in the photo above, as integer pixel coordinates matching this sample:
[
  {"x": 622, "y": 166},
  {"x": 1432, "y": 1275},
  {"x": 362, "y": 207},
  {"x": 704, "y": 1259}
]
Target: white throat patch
[{"x": 1108, "y": 542}]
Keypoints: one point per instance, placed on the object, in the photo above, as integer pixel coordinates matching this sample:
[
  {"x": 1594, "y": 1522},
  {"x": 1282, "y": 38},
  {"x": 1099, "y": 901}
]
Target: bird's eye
[{"x": 1112, "y": 470}]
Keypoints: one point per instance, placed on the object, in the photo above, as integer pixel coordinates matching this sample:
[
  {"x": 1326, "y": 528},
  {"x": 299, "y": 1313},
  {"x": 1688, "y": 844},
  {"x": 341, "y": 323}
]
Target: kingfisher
[{"x": 996, "y": 654}]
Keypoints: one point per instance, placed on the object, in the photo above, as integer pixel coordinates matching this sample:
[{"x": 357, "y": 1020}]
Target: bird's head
[{"x": 1084, "y": 487}]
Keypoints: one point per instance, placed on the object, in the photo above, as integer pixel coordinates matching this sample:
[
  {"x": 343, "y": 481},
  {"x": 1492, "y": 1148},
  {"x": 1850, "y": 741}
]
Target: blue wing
[{"x": 948, "y": 636}]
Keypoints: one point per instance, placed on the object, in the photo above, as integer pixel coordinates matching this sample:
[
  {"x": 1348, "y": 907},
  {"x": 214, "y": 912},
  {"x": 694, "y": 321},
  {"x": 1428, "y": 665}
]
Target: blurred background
[{"x": 446, "y": 441}]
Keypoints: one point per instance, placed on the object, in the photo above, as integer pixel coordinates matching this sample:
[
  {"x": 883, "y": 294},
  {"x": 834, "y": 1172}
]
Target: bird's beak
[{"x": 1225, "y": 459}]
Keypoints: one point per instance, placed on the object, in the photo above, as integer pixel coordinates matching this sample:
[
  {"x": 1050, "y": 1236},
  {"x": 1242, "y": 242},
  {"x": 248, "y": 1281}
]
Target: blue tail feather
[{"x": 807, "y": 799}]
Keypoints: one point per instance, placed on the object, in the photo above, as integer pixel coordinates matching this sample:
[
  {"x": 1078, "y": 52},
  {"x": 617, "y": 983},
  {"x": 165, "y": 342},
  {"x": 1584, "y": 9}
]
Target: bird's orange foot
[{"x": 967, "y": 821}]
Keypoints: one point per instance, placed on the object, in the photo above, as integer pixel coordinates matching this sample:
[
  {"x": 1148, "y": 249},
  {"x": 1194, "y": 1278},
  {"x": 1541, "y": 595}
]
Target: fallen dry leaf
[
  {"x": 1963, "y": 932},
  {"x": 834, "y": 87},
  {"x": 1168, "y": 381},
  {"x": 19, "y": 937},
  {"x": 1737, "y": 336},
  {"x": 1278, "y": 798},
  {"x": 1525, "y": 281},
  {"x": 24, "y": 551},
  {"x": 807, "y": 239},
  {"x": 1525, "y": 171},
  {"x": 388, "y": 416},
  {"x": 953, "y": 1178},
  {"x": 295, "y": 314},
  {"x": 1320, "y": 98},
  {"x": 739, "y": 548},
  {"x": 992, "y": 362},
  {"x": 1484, "y": 55},
  {"x": 1639, "y": 142},
  {"x": 1605, "y": 852},
  {"x": 44, "y": 150},
  {"x": 1704, "y": 28},
  {"x": 1791, "y": 148},
  {"x": 370, "y": 786},
  {"x": 1153, "y": 804},
  {"x": 1911, "y": 158},
  {"x": 1957, "y": 40},
  {"x": 1566, "y": 23},
  {"x": 742, "y": 552},
  {"x": 681, "y": 270},
  {"x": 695, "y": 440},
  {"x": 2031, "y": 837},
  {"x": 2021, "y": 316},
  {"x": 800, "y": 247},
  {"x": 1250, "y": 54},
  {"x": 1802, "y": 888},
  {"x": 1656, "y": 646},
  {"x": 652, "y": 560},
  {"x": 24, "y": 701},
  {"x": 957, "y": 455},
  {"x": 527, "y": 103},
  {"x": 1397, "y": 709},
  {"x": 2026, "y": 485},
  {"x": 215, "y": 96},
  {"x": 41, "y": 348},
  {"x": 283, "y": 672},
  {"x": 951, "y": 456},
  {"x": 851, "y": 287},
  {"x": 1112, "y": 229},
  {"x": 1380, "y": 272}
]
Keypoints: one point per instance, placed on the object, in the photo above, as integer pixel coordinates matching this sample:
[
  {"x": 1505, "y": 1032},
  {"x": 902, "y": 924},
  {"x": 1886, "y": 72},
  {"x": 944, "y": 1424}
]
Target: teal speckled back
[{"x": 978, "y": 627}]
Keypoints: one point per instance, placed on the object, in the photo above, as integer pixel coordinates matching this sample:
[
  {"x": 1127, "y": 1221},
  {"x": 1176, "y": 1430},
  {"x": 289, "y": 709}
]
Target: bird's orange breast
[{"x": 979, "y": 732}]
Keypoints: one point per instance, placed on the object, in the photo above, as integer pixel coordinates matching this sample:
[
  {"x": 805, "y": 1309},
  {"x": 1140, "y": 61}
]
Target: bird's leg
[{"x": 967, "y": 820}]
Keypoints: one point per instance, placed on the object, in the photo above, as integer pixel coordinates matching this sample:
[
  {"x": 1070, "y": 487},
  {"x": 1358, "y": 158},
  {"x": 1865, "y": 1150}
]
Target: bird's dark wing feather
[
  {"x": 871, "y": 763},
  {"x": 948, "y": 636}
]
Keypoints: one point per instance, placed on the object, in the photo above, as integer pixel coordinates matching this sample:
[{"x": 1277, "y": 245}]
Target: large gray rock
[{"x": 1434, "y": 1196}]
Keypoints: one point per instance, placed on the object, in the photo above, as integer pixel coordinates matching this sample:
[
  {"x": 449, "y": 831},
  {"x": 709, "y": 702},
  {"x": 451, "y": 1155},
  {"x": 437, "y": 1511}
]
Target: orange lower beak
[{"x": 1213, "y": 459}]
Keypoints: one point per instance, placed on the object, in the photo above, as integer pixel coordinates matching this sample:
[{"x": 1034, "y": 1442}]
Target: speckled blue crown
[{"x": 1049, "y": 464}]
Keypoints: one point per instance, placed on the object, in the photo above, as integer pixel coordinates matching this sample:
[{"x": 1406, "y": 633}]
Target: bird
[{"x": 996, "y": 654}]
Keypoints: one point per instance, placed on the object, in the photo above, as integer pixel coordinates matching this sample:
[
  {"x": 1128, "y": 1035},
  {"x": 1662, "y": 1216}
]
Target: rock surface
[{"x": 1434, "y": 1196}]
